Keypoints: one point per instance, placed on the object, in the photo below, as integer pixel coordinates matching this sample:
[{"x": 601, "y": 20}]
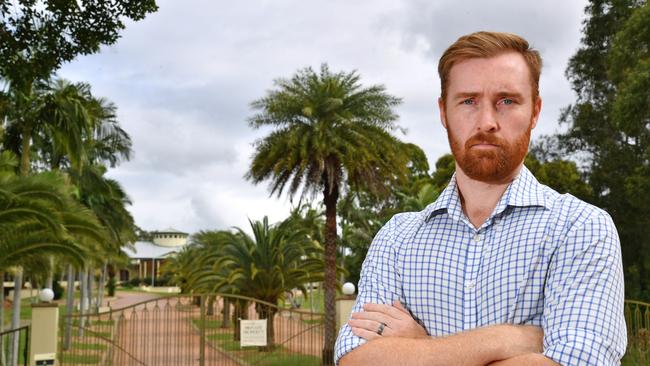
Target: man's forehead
[{"x": 506, "y": 74}]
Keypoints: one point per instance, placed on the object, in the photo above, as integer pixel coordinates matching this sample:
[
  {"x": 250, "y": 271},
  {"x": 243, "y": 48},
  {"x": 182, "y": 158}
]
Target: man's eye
[
  {"x": 506, "y": 101},
  {"x": 468, "y": 101}
]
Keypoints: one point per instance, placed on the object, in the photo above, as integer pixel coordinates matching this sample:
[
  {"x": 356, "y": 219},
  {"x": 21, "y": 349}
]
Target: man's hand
[{"x": 396, "y": 319}]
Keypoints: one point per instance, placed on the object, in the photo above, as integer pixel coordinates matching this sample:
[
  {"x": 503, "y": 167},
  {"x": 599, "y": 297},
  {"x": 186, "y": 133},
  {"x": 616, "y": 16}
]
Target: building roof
[
  {"x": 149, "y": 250},
  {"x": 170, "y": 230}
]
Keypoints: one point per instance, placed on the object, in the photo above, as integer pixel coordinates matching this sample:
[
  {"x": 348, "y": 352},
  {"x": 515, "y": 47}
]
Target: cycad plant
[{"x": 273, "y": 260}]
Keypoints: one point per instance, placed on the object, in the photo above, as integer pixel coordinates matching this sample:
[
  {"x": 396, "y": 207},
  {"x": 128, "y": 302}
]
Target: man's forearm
[
  {"x": 476, "y": 347},
  {"x": 531, "y": 359}
]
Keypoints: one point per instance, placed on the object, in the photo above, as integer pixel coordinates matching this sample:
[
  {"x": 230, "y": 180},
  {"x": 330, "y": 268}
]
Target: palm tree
[
  {"x": 72, "y": 130},
  {"x": 275, "y": 260},
  {"x": 330, "y": 134},
  {"x": 38, "y": 218}
]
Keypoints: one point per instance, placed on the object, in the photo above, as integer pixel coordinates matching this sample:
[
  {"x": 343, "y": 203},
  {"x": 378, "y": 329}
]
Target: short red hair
[{"x": 486, "y": 45}]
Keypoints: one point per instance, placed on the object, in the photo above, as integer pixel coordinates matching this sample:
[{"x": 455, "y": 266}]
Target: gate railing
[
  {"x": 192, "y": 330},
  {"x": 637, "y": 318},
  {"x": 18, "y": 340}
]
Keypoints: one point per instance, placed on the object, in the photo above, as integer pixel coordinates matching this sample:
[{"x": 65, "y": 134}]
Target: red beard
[{"x": 489, "y": 165}]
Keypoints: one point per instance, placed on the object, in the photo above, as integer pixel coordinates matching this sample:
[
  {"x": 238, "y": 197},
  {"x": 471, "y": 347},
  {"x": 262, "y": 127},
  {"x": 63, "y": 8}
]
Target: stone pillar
[
  {"x": 344, "y": 306},
  {"x": 44, "y": 333}
]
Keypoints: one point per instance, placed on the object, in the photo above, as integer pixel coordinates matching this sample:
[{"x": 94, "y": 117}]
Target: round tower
[{"x": 170, "y": 238}]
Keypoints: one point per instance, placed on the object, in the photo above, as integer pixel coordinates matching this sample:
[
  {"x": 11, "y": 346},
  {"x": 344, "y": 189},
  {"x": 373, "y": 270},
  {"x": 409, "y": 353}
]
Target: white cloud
[{"x": 183, "y": 79}]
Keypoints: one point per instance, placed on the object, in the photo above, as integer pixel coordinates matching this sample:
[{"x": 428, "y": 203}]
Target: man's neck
[{"x": 480, "y": 198}]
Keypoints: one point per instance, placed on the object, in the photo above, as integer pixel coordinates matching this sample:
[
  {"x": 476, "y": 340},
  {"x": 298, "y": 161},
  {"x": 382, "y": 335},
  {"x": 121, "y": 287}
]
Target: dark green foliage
[
  {"x": 608, "y": 126},
  {"x": 362, "y": 214},
  {"x": 561, "y": 175},
  {"x": 110, "y": 286},
  {"x": 57, "y": 289},
  {"x": 37, "y": 36}
]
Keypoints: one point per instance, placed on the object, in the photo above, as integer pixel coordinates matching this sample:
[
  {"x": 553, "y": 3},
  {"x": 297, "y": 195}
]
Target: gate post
[
  {"x": 44, "y": 333},
  {"x": 202, "y": 326},
  {"x": 344, "y": 305}
]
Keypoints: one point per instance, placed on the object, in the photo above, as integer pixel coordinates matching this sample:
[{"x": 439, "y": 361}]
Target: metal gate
[
  {"x": 15, "y": 346},
  {"x": 191, "y": 330}
]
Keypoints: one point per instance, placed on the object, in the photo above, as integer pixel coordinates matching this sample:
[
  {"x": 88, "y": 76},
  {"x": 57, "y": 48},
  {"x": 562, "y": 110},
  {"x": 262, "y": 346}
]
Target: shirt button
[
  {"x": 477, "y": 238},
  {"x": 470, "y": 284}
]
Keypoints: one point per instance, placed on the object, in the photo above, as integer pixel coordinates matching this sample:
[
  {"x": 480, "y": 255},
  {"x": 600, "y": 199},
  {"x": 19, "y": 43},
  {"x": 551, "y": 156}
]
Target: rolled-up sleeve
[
  {"x": 583, "y": 320},
  {"x": 378, "y": 284}
]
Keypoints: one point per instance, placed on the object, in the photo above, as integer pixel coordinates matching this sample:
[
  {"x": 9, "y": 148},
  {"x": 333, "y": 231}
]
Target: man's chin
[{"x": 488, "y": 171}]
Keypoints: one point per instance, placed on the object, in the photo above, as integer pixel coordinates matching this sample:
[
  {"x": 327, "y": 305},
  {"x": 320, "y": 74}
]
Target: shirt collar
[{"x": 524, "y": 191}]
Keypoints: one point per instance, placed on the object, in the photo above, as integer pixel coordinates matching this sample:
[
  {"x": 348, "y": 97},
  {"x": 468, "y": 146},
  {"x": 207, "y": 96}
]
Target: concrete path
[{"x": 160, "y": 333}]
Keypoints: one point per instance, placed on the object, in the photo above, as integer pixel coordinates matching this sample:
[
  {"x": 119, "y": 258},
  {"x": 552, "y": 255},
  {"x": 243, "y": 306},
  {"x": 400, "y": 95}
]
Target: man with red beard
[{"x": 500, "y": 270}]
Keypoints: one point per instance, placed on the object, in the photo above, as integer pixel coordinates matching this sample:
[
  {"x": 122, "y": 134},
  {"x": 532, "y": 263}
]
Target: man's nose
[{"x": 487, "y": 118}]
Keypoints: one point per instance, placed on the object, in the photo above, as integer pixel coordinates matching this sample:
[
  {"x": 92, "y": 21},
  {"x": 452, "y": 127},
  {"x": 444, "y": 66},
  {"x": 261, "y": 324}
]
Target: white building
[{"x": 147, "y": 256}]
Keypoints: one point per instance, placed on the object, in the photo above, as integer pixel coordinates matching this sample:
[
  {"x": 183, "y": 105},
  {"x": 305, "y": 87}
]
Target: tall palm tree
[{"x": 329, "y": 134}]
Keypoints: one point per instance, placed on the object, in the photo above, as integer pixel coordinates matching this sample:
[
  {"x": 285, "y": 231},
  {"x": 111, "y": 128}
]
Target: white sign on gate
[{"x": 253, "y": 333}]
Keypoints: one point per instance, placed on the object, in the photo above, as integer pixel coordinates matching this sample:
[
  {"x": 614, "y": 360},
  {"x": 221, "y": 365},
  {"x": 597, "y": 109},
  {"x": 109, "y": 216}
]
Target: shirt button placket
[{"x": 473, "y": 261}]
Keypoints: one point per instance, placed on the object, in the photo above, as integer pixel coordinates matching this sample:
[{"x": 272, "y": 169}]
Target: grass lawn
[
  {"x": 635, "y": 357},
  {"x": 280, "y": 356},
  {"x": 89, "y": 346},
  {"x": 80, "y": 359}
]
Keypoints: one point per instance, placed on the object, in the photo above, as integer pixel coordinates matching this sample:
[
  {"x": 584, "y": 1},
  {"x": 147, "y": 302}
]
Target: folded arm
[{"x": 479, "y": 347}]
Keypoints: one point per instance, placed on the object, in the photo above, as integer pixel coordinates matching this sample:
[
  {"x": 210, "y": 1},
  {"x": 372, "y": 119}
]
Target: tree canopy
[
  {"x": 608, "y": 125},
  {"x": 38, "y": 36}
]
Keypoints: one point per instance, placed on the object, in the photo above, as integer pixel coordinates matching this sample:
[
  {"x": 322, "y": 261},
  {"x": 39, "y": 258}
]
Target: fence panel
[
  {"x": 18, "y": 340},
  {"x": 192, "y": 330}
]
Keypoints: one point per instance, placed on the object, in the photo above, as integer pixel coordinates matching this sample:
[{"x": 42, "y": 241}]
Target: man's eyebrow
[
  {"x": 501, "y": 94},
  {"x": 510, "y": 94},
  {"x": 463, "y": 95}
]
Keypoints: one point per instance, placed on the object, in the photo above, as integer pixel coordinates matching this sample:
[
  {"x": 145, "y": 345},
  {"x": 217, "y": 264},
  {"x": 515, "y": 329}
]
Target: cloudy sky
[{"x": 184, "y": 77}]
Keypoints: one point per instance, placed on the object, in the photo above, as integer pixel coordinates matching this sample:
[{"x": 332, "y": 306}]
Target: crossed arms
[{"x": 404, "y": 342}]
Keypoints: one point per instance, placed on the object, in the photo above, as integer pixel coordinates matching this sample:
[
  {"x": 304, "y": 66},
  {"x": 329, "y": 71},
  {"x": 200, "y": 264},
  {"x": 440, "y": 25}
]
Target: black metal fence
[
  {"x": 192, "y": 330},
  {"x": 15, "y": 346}
]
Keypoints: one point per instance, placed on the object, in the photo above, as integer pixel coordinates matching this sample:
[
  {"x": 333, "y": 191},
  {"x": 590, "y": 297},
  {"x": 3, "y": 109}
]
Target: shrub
[
  {"x": 57, "y": 289},
  {"x": 110, "y": 286}
]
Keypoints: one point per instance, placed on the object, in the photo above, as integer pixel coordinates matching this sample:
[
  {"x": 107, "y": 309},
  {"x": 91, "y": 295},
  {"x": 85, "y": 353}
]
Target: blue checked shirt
[{"x": 541, "y": 259}]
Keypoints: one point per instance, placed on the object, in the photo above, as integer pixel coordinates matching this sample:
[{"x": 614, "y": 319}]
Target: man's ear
[
  {"x": 537, "y": 108},
  {"x": 443, "y": 112}
]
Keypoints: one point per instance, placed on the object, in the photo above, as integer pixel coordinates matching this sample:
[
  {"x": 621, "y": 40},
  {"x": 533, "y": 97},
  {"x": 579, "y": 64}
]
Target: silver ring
[{"x": 380, "y": 330}]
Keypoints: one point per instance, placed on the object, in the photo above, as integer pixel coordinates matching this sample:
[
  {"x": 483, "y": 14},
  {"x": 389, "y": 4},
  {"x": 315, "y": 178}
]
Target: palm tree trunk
[
  {"x": 89, "y": 292},
  {"x": 101, "y": 286},
  {"x": 226, "y": 313},
  {"x": 69, "y": 306},
  {"x": 268, "y": 313},
  {"x": 241, "y": 312},
  {"x": 82, "y": 301},
  {"x": 25, "y": 149},
  {"x": 210, "y": 305},
  {"x": 15, "y": 317},
  {"x": 330, "y": 199}
]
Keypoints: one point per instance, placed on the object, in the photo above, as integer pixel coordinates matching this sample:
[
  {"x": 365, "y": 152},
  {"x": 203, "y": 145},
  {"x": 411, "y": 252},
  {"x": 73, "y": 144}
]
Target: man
[{"x": 500, "y": 270}]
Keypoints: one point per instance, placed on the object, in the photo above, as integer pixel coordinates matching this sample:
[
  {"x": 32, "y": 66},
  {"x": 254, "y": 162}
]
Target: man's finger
[
  {"x": 385, "y": 309},
  {"x": 365, "y": 334},
  {"x": 369, "y": 325},
  {"x": 372, "y": 316}
]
